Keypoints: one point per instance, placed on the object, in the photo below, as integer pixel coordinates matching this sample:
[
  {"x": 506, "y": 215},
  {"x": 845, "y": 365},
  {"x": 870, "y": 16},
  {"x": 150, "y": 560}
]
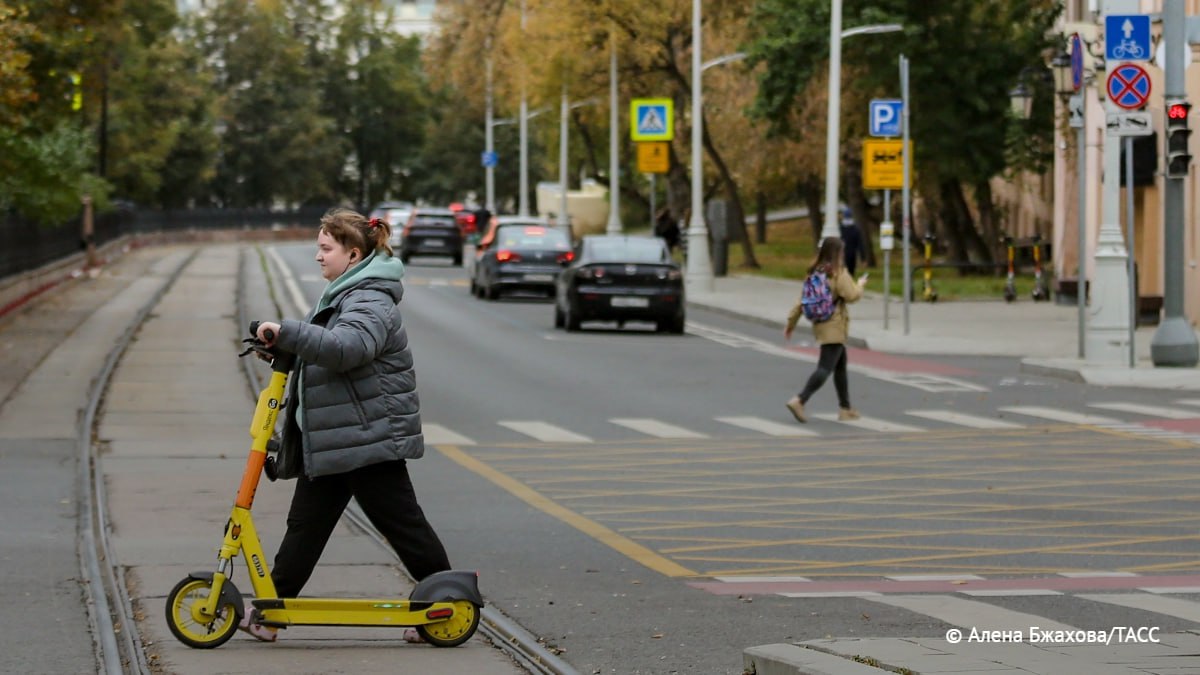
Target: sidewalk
[{"x": 1043, "y": 335}]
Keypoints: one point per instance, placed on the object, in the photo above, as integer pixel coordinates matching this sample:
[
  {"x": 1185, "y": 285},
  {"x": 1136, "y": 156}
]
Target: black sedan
[
  {"x": 615, "y": 278},
  {"x": 432, "y": 231},
  {"x": 520, "y": 257}
]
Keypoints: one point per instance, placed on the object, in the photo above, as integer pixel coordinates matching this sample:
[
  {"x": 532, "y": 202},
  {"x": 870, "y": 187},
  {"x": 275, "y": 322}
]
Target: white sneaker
[{"x": 259, "y": 631}]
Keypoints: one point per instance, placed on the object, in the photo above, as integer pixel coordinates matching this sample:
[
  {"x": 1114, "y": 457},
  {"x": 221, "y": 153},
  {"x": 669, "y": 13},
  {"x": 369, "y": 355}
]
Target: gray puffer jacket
[{"x": 352, "y": 400}]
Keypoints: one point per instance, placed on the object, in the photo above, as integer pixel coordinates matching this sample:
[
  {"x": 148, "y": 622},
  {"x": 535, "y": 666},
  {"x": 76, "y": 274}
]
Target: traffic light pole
[{"x": 1174, "y": 342}]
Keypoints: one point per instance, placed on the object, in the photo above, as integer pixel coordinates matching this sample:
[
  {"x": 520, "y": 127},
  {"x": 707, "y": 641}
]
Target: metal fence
[{"x": 27, "y": 246}]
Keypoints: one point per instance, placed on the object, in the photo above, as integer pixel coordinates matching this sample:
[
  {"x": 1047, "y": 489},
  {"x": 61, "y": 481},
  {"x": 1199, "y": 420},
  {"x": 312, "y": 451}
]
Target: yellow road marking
[{"x": 604, "y": 535}]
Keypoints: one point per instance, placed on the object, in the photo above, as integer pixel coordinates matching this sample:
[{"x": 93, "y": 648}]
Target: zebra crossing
[
  {"x": 983, "y": 607},
  {"x": 822, "y": 424}
]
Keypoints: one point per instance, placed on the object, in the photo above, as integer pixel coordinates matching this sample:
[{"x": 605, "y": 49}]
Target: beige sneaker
[
  {"x": 797, "y": 409},
  {"x": 847, "y": 414}
]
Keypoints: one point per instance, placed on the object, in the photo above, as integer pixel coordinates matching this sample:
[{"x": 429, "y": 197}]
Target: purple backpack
[{"x": 816, "y": 298}]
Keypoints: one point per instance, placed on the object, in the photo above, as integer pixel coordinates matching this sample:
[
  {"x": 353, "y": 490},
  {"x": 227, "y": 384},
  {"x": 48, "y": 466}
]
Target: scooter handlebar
[{"x": 270, "y": 334}]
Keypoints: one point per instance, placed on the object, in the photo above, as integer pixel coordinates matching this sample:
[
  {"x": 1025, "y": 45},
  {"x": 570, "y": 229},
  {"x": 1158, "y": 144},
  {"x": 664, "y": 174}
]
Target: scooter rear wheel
[
  {"x": 189, "y": 626},
  {"x": 453, "y": 631}
]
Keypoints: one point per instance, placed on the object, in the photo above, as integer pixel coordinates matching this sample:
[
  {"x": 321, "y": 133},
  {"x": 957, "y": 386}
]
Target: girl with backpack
[{"x": 826, "y": 308}]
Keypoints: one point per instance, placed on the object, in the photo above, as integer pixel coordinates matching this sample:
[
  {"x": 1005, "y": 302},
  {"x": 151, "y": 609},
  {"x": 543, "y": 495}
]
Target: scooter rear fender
[
  {"x": 229, "y": 592},
  {"x": 448, "y": 585}
]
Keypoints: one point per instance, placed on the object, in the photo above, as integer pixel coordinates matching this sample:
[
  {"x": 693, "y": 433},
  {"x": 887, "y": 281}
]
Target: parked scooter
[
  {"x": 1041, "y": 291},
  {"x": 1010, "y": 282},
  {"x": 929, "y": 294}
]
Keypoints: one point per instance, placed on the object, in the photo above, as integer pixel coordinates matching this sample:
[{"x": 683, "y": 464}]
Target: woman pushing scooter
[
  {"x": 352, "y": 416},
  {"x": 352, "y": 419}
]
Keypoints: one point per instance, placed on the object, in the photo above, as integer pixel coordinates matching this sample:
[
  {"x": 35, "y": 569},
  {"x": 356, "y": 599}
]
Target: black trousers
[
  {"x": 831, "y": 360},
  {"x": 385, "y": 493}
]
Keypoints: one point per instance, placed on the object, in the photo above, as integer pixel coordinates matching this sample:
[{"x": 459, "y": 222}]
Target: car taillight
[
  {"x": 591, "y": 272},
  {"x": 564, "y": 258},
  {"x": 674, "y": 275},
  {"x": 505, "y": 255}
]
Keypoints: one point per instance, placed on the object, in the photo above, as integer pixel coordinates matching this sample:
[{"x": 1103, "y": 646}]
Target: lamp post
[
  {"x": 489, "y": 169},
  {"x": 829, "y": 227},
  {"x": 523, "y": 197},
  {"x": 614, "y": 165},
  {"x": 699, "y": 267},
  {"x": 562, "y": 220}
]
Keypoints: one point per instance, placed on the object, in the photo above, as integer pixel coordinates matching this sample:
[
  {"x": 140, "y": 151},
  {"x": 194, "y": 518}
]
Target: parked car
[
  {"x": 620, "y": 278},
  {"x": 431, "y": 232},
  {"x": 522, "y": 256},
  {"x": 396, "y": 214}
]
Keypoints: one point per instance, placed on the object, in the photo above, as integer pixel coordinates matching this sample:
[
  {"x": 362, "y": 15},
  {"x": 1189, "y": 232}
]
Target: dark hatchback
[
  {"x": 521, "y": 257},
  {"x": 616, "y": 278},
  {"x": 432, "y": 232}
]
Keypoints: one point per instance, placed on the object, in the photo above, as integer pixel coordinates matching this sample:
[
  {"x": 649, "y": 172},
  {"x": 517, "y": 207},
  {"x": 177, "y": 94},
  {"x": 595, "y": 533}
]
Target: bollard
[{"x": 718, "y": 228}]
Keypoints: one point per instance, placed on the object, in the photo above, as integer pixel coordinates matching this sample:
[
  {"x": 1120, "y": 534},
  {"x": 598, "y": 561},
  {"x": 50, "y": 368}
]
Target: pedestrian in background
[
  {"x": 831, "y": 334},
  {"x": 352, "y": 416},
  {"x": 852, "y": 243},
  {"x": 666, "y": 227}
]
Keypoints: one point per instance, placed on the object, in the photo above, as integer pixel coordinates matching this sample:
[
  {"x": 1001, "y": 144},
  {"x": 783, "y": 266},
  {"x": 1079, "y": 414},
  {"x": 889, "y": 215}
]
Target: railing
[{"x": 28, "y": 246}]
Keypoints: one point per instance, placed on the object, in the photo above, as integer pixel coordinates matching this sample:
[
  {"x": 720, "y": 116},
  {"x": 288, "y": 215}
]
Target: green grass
[{"x": 789, "y": 251}]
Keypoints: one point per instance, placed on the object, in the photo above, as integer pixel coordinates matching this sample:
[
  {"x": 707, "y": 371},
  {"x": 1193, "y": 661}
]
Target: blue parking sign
[
  {"x": 885, "y": 117},
  {"x": 1127, "y": 37},
  {"x": 489, "y": 159}
]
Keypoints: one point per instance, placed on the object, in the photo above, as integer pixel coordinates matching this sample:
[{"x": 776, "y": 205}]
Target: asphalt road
[{"x": 645, "y": 503}]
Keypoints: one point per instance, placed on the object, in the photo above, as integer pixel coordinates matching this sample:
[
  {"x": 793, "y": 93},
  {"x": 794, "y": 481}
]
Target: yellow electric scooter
[{"x": 204, "y": 609}]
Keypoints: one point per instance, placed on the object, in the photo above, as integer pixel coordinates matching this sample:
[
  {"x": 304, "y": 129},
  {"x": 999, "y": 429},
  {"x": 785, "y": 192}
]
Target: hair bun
[{"x": 374, "y": 223}]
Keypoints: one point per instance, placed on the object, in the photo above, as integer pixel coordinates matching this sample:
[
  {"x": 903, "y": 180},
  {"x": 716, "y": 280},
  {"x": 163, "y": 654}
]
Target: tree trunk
[
  {"x": 992, "y": 240},
  {"x": 811, "y": 191},
  {"x": 953, "y": 212},
  {"x": 592, "y": 164},
  {"x": 760, "y": 217},
  {"x": 737, "y": 215}
]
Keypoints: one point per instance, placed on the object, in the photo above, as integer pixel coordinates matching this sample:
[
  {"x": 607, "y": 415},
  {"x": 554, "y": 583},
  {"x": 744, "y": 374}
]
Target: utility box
[{"x": 717, "y": 215}]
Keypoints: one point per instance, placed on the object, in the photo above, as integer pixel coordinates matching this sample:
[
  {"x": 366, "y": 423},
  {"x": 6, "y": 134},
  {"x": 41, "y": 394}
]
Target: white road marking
[
  {"x": 934, "y": 577},
  {"x": 768, "y": 427},
  {"x": 870, "y": 423},
  {"x": 964, "y": 420},
  {"x": 1058, "y": 415},
  {"x": 1096, "y": 575},
  {"x": 653, "y": 427},
  {"x": 765, "y": 580},
  {"x": 1010, "y": 592},
  {"x": 542, "y": 431},
  {"x": 1177, "y": 607},
  {"x": 1169, "y": 590},
  {"x": 1148, "y": 410},
  {"x": 1189, "y": 401},
  {"x": 300, "y": 304},
  {"x": 970, "y": 613},
  {"x": 437, "y": 434},
  {"x": 922, "y": 381},
  {"x": 834, "y": 594}
]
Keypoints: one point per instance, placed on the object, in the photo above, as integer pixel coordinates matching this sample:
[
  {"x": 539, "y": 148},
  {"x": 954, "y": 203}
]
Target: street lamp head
[
  {"x": 1064, "y": 84},
  {"x": 873, "y": 29},
  {"x": 1021, "y": 98}
]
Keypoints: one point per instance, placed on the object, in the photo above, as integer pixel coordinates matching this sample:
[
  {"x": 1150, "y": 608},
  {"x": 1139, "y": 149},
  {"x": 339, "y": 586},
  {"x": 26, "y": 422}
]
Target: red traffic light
[{"x": 1178, "y": 111}]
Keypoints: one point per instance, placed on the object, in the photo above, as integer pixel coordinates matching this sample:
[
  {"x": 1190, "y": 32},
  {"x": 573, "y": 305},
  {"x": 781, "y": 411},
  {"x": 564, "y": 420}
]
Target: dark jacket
[{"x": 352, "y": 401}]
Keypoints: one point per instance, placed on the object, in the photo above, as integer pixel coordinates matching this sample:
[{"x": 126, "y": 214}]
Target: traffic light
[{"x": 1178, "y": 157}]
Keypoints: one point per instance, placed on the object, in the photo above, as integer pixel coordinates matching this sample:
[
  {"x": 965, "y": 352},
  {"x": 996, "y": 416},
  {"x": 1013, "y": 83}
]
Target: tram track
[{"x": 118, "y": 645}]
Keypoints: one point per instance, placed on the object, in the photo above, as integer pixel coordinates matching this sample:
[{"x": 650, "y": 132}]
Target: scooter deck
[{"x": 351, "y": 612}]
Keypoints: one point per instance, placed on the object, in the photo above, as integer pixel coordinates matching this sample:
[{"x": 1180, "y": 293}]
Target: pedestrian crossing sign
[{"x": 652, "y": 119}]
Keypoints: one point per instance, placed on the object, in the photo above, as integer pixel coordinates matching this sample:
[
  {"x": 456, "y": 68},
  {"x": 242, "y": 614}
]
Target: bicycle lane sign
[
  {"x": 1128, "y": 86},
  {"x": 1127, "y": 37}
]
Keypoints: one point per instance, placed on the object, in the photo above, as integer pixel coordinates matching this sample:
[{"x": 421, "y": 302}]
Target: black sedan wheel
[
  {"x": 558, "y": 317},
  {"x": 571, "y": 320}
]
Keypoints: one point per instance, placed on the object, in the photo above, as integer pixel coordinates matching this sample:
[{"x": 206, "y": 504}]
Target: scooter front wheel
[
  {"x": 189, "y": 625},
  {"x": 453, "y": 631}
]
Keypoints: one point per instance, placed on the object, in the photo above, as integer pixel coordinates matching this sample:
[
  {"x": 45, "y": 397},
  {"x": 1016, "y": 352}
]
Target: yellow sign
[
  {"x": 651, "y": 119},
  {"x": 883, "y": 164},
  {"x": 653, "y": 157}
]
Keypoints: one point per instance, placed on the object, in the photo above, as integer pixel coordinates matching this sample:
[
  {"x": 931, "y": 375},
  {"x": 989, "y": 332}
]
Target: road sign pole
[
  {"x": 906, "y": 216},
  {"x": 1081, "y": 257},
  {"x": 1132, "y": 270},
  {"x": 887, "y": 253}
]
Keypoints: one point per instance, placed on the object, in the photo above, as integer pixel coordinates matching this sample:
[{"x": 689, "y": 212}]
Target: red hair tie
[{"x": 374, "y": 223}]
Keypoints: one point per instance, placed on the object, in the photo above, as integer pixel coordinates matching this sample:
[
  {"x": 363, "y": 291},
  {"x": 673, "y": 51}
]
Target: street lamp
[
  {"x": 562, "y": 220},
  {"x": 614, "y": 168},
  {"x": 1021, "y": 99},
  {"x": 830, "y": 226},
  {"x": 721, "y": 60},
  {"x": 699, "y": 268}
]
